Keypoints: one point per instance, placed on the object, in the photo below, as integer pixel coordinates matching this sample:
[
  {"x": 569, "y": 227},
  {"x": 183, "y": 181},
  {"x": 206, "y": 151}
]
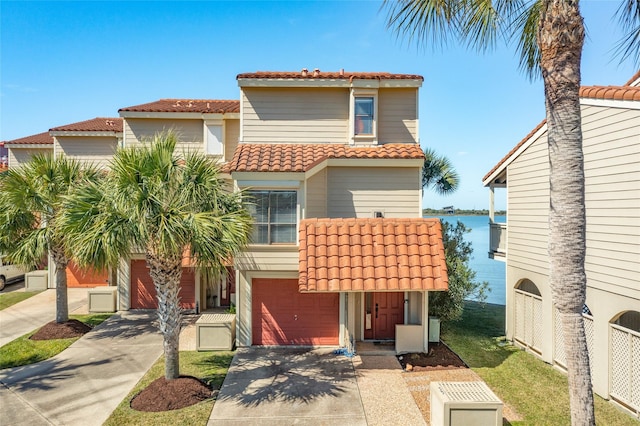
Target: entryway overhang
[{"x": 380, "y": 255}]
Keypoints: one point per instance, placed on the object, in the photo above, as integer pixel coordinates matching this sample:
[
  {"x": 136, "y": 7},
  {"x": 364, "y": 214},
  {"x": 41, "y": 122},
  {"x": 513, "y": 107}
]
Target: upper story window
[
  {"x": 214, "y": 141},
  {"x": 363, "y": 116},
  {"x": 275, "y": 215}
]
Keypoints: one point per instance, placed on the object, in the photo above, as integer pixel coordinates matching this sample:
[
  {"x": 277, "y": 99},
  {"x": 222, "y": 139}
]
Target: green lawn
[
  {"x": 9, "y": 299},
  {"x": 24, "y": 351},
  {"x": 533, "y": 388},
  {"x": 210, "y": 367}
]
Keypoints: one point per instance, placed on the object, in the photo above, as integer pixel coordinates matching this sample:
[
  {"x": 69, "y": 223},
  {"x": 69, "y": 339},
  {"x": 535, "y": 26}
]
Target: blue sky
[{"x": 63, "y": 62}]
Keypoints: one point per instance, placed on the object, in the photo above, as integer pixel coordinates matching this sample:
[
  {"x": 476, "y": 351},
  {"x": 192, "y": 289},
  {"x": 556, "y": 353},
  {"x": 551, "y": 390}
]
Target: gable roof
[
  {"x": 98, "y": 124},
  {"x": 614, "y": 93},
  {"x": 39, "y": 139},
  {"x": 634, "y": 81},
  {"x": 303, "y": 157},
  {"x": 204, "y": 106},
  {"x": 371, "y": 255},
  {"x": 332, "y": 75}
]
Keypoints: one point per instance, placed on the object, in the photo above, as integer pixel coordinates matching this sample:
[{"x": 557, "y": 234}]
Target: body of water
[{"x": 492, "y": 271}]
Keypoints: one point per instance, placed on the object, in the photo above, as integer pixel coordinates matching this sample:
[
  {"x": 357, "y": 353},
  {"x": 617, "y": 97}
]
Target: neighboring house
[
  {"x": 4, "y": 157},
  {"x": 91, "y": 142},
  {"x": 611, "y": 144}
]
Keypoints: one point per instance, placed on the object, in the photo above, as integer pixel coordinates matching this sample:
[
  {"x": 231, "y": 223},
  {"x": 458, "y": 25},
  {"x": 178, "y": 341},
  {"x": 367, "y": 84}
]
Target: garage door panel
[
  {"x": 85, "y": 278},
  {"x": 143, "y": 292},
  {"x": 283, "y": 316}
]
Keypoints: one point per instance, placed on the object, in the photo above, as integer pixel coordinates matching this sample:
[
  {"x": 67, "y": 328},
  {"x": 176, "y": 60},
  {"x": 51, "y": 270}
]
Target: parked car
[{"x": 9, "y": 273}]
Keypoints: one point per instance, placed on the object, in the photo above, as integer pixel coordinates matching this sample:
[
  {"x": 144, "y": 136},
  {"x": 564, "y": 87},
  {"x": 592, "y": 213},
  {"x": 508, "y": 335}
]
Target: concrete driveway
[
  {"x": 83, "y": 384},
  {"x": 289, "y": 386}
]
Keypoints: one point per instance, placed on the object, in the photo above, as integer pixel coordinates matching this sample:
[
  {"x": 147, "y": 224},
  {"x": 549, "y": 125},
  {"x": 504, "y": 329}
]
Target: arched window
[{"x": 528, "y": 287}]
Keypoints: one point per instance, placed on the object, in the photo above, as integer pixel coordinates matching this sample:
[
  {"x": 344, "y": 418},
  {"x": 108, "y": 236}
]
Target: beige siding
[
  {"x": 295, "y": 115},
  {"x": 89, "y": 150},
  {"x": 359, "y": 191},
  {"x": 611, "y": 144},
  {"x": 317, "y": 195},
  {"x": 231, "y": 137},
  {"x": 190, "y": 132},
  {"x": 397, "y": 116},
  {"x": 268, "y": 258},
  {"x": 19, "y": 156}
]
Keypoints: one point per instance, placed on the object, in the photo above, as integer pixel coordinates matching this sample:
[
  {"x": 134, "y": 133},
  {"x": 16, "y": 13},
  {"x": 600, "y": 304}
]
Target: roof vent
[
  {"x": 316, "y": 72},
  {"x": 304, "y": 72},
  {"x": 341, "y": 72}
]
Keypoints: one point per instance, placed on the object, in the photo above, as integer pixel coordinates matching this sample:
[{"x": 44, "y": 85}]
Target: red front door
[{"x": 386, "y": 310}]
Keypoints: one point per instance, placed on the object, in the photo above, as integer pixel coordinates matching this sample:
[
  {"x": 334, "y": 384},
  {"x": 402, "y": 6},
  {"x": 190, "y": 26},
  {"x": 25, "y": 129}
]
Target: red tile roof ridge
[
  {"x": 98, "y": 124},
  {"x": 187, "y": 105},
  {"x": 618, "y": 93},
  {"x": 43, "y": 138},
  {"x": 332, "y": 75}
]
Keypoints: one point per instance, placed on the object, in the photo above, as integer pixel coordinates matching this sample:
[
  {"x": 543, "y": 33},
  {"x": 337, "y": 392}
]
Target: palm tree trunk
[
  {"x": 62, "y": 301},
  {"x": 166, "y": 279},
  {"x": 560, "y": 38}
]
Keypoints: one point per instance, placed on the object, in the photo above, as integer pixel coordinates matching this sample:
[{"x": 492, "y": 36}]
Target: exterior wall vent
[{"x": 378, "y": 214}]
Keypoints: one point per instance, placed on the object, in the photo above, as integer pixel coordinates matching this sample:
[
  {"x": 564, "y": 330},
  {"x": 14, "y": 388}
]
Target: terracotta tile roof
[
  {"x": 187, "y": 105},
  {"x": 98, "y": 124},
  {"x": 3, "y": 168},
  {"x": 616, "y": 93},
  {"x": 371, "y": 255},
  {"x": 302, "y": 157},
  {"x": 39, "y": 139},
  {"x": 332, "y": 75}
]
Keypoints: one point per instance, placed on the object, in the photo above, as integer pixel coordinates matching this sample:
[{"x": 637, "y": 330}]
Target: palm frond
[
  {"x": 629, "y": 18},
  {"x": 425, "y": 21},
  {"x": 525, "y": 28}
]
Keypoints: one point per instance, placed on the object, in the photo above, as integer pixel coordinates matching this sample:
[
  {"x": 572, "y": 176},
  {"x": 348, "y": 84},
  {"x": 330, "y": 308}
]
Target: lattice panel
[
  {"x": 519, "y": 315},
  {"x": 528, "y": 320},
  {"x": 635, "y": 371},
  {"x": 589, "y": 332},
  {"x": 558, "y": 349},
  {"x": 536, "y": 324},
  {"x": 620, "y": 368}
]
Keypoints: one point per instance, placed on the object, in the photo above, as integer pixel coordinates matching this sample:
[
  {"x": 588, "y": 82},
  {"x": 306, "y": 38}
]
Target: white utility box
[
  {"x": 102, "y": 299},
  {"x": 36, "y": 280},
  {"x": 216, "y": 332},
  {"x": 464, "y": 404}
]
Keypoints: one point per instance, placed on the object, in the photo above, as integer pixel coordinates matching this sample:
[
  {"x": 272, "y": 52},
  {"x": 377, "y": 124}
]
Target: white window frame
[
  {"x": 368, "y": 139},
  {"x": 269, "y": 223},
  {"x": 217, "y": 124}
]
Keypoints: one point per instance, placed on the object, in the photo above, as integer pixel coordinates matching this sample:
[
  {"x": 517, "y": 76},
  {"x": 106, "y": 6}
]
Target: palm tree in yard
[
  {"x": 550, "y": 36},
  {"x": 171, "y": 207},
  {"x": 438, "y": 173},
  {"x": 31, "y": 202}
]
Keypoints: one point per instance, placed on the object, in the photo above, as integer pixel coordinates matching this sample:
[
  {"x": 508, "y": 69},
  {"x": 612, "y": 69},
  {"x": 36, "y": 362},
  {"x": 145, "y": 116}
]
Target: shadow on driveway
[{"x": 280, "y": 385}]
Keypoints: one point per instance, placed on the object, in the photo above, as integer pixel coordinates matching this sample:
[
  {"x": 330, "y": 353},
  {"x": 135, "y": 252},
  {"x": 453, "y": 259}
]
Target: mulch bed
[
  {"x": 440, "y": 357},
  {"x": 64, "y": 330},
  {"x": 163, "y": 395}
]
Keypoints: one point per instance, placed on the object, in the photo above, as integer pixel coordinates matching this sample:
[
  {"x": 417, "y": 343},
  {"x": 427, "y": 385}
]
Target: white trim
[
  {"x": 173, "y": 115},
  {"x": 542, "y": 130},
  {"x": 267, "y": 176},
  {"x": 28, "y": 145},
  {"x": 276, "y": 184},
  {"x": 611, "y": 103}
]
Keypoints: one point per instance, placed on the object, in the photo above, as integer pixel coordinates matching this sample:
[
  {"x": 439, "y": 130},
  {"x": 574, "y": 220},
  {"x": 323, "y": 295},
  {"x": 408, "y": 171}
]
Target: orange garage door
[
  {"x": 88, "y": 278},
  {"x": 283, "y": 316},
  {"x": 143, "y": 293}
]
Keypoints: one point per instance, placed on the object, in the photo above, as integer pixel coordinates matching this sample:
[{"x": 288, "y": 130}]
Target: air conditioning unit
[{"x": 464, "y": 404}]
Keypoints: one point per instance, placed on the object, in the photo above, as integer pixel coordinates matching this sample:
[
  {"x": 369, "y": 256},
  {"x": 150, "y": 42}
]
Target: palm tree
[
  {"x": 438, "y": 173},
  {"x": 171, "y": 207},
  {"x": 31, "y": 202},
  {"x": 550, "y": 36}
]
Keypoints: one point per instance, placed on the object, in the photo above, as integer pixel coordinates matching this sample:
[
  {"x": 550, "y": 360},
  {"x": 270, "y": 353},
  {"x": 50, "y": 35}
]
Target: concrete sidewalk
[
  {"x": 85, "y": 383},
  {"x": 36, "y": 311}
]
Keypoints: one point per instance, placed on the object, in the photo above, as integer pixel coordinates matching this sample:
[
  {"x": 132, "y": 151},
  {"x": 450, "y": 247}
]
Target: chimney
[
  {"x": 341, "y": 72},
  {"x": 316, "y": 72},
  {"x": 304, "y": 72}
]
